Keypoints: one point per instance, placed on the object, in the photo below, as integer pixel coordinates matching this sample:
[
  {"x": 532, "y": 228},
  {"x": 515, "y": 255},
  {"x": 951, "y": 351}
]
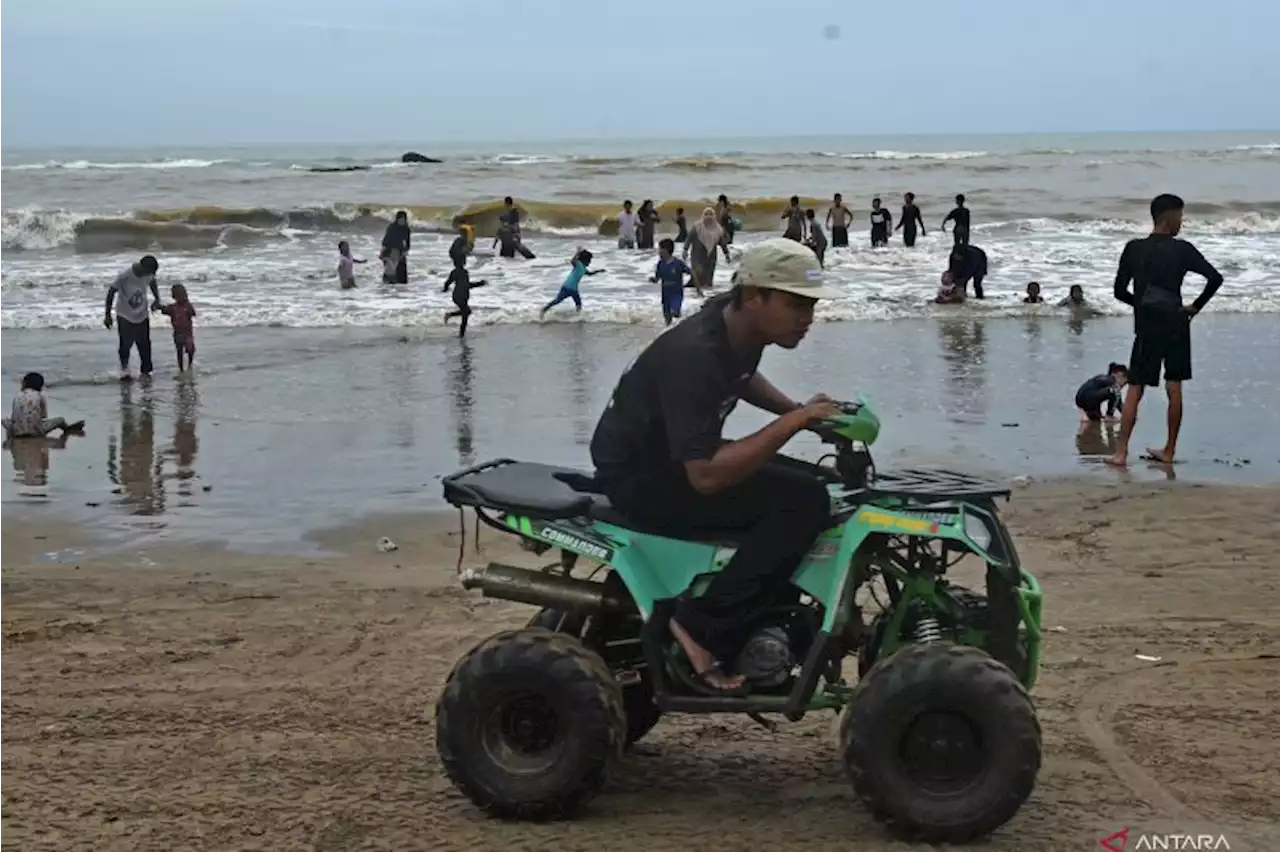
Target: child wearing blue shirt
[
  {"x": 671, "y": 271},
  {"x": 569, "y": 289}
]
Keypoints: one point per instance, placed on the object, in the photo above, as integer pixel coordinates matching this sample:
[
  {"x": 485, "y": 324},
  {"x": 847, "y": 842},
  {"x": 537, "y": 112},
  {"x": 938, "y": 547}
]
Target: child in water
[
  {"x": 1101, "y": 389},
  {"x": 569, "y": 289},
  {"x": 671, "y": 271},
  {"x": 682, "y": 226},
  {"x": 1033, "y": 294},
  {"x": 181, "y": 314},
  {"x": 29, "y": 417},
  {"x": 817, "y": 240},
  {"x": 346, "y": 267},
  {"x": 460, "y": 280},
  {"x": 1075, "y": 298}
]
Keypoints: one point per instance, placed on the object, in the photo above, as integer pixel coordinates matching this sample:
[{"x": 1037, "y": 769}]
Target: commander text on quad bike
[{"x": 661, "y": 460}]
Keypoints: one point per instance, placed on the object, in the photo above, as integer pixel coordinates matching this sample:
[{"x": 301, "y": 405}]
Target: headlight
[{"x": 977, "y": 531}]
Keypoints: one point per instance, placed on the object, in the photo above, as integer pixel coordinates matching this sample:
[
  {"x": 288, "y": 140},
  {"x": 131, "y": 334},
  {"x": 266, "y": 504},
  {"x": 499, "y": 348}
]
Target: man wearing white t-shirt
[
  {"x": 626, "y": 227},
  {"x": 132, "y": 320}
]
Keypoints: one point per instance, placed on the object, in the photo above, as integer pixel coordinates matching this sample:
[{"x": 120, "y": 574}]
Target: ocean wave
[
  {"x": 205, "y": 227},
  {"x": 79, "y": 165},
  {"x": 903, "y": 155}
]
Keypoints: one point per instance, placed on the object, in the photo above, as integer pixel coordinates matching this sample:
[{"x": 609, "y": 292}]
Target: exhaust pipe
[{"x": 553, "y": 591}]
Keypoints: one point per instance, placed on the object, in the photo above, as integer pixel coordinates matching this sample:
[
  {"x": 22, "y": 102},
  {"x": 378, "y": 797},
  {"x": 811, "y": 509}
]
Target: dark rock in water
[
  {"x": 415, "y": 157},
  {"x": 338, "y": 169}
]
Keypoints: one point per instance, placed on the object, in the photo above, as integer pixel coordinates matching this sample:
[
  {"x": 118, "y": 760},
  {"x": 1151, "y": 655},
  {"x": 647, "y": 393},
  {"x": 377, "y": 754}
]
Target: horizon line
[{"x": 624, "y": 138}]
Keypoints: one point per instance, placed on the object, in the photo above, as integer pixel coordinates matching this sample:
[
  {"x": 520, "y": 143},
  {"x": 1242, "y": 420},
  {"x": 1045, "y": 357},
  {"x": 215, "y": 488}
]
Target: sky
[{"x": 216, "y": 72}]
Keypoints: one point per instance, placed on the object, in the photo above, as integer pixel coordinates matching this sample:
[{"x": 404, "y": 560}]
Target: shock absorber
[{"x": 927, "y": 629}]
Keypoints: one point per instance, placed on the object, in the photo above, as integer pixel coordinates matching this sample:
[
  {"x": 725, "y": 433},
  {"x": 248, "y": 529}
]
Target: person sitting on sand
[
  {"x": 1033, "y": 294},
  {"x": 705, "y": 237},
  {"x": 569, "y": 289},
  {"x": 346, "y": 267},
  {"x": 182, "y": 314},
  {"x": 1103, "y": 388},
  {"x": 29, "y": 416}
]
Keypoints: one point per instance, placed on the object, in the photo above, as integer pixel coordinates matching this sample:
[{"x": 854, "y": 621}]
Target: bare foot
[
  {"x": 704, "y": 665},
  {"x": 1118, "y": 460},
  {"x": 1160, "y": 456}
]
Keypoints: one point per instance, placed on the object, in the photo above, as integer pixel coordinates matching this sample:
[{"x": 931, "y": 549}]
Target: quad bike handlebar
[{"x": 856, "y": 422}]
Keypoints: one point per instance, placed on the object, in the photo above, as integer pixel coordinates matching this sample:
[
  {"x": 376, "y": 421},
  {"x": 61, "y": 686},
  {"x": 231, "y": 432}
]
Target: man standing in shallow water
[
  {"x": 1156, "y": 265},
  {"x": 132, "y": 318}
]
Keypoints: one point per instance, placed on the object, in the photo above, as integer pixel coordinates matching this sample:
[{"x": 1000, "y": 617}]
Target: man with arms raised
[
  {"x": 1156, "y": 265},
  {"x": 661, "y": 460}
]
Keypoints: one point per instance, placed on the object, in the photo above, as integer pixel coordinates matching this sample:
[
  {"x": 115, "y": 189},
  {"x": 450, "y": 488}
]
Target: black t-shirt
[
  {"x": 961, "y": 217},
  {"x": 1156, "y": 265},
  {"x": 670, "y": 405},
  {"x": 880, "y": 218}
]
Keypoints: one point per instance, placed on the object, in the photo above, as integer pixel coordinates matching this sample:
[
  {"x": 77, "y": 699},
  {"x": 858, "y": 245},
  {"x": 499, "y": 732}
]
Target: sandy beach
[{"x": 178, "y": 697}]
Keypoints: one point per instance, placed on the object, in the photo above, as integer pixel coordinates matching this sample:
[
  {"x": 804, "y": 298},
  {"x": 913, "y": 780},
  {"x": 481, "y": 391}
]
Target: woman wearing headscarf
[
  {"x": 705, "y": 237},
  {"x": 395, "y": 250},
  {"x": 648, "y": 217}
]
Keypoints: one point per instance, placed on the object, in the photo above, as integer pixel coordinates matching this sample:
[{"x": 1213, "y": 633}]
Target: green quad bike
[{"x": 938, "y": 735}]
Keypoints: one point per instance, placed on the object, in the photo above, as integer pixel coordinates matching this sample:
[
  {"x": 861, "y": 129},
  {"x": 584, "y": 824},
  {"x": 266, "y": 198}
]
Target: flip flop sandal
[{"x": 698, "y": 681}]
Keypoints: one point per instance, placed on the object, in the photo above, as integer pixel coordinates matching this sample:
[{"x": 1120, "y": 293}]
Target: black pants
[
  {"x": 961, "y": 235},
  {"x": 839, "y": 237},
  {"x": 879, "y": 235},
  {"x": 463, "y": 311},
  {"x": 133, "y": 334},
  {"x": 908, "y": 237},
  {"x": 783, "y": 511}
]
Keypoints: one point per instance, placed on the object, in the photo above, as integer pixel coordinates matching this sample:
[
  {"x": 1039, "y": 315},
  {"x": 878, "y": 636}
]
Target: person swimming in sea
[
  {"x": 569, "y": 289},
  {"x": 960, "y": 216},
  {"x": 1033, "y": 294}
]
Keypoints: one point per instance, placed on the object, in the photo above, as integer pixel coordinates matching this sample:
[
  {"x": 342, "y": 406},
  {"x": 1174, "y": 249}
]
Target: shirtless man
[{"x": 838, "y": 219}]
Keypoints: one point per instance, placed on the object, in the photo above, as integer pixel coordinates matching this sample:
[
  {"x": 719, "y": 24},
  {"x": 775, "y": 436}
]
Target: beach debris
[
  {"x": 206, "y": 488},
  {"x": 386, "y": 545},
  {"x": 1147, "y": 658},
  {"x": 1023, "y": 480},
  {"x": 1058, "y": 629},
  {"x": 1009, "y": 425}
]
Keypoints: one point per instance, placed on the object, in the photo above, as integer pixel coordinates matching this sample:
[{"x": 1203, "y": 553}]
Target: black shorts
[
  {"x": 1091, "y": 405},
  {"x": 839, "y": 237},
  {"x": 1161, "y": 339}
]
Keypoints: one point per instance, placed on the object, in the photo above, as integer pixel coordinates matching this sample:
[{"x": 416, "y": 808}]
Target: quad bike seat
[
  {"x": 548, "y": 492},
  {"x": 532, "y": 489}
]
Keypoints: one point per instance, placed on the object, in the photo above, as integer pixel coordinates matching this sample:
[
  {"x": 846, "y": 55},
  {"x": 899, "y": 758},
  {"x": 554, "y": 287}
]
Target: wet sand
[
  {"x": 169, "y": 696},
  {"x": 283, "y": 431}
]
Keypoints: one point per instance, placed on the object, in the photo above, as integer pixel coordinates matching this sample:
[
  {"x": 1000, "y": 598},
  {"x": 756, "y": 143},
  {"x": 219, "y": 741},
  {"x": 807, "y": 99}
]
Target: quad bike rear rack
[{"x": 917, "y": 483}]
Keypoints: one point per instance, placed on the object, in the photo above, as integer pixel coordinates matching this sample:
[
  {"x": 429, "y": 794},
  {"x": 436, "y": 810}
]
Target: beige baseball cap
[{"x": 786, "y": 265}]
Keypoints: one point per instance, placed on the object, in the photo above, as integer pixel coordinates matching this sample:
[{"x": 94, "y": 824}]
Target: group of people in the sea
[{"x": 1149, "y": 279}]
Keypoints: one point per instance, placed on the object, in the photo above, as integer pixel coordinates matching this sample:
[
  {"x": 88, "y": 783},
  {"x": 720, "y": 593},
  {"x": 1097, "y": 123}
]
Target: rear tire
[
  {"x": 637, "y": 698},
  {"x": 529, "y": 725},
  {"x": 941, "y": 743}
]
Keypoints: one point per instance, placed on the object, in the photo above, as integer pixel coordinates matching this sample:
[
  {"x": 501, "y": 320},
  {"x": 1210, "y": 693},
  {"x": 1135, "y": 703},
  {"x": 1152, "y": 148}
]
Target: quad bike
[{"x": 938, "y": 734}]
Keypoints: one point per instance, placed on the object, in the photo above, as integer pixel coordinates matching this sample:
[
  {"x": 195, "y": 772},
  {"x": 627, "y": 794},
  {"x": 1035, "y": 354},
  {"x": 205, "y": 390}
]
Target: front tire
[
  {"x": 530, "y": 724},
  {"x": 941, "y": 743}
]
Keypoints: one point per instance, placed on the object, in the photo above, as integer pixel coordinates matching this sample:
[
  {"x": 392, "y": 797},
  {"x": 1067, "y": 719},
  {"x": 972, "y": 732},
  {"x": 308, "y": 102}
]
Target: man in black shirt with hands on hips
[
  {"x": 1156, "y": 266},
  {"x": 660, "y": 457}
]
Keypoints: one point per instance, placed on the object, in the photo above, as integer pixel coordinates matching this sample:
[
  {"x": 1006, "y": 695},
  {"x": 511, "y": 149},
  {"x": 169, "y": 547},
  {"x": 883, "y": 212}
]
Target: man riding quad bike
[{"x": 732, "y": 583}]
